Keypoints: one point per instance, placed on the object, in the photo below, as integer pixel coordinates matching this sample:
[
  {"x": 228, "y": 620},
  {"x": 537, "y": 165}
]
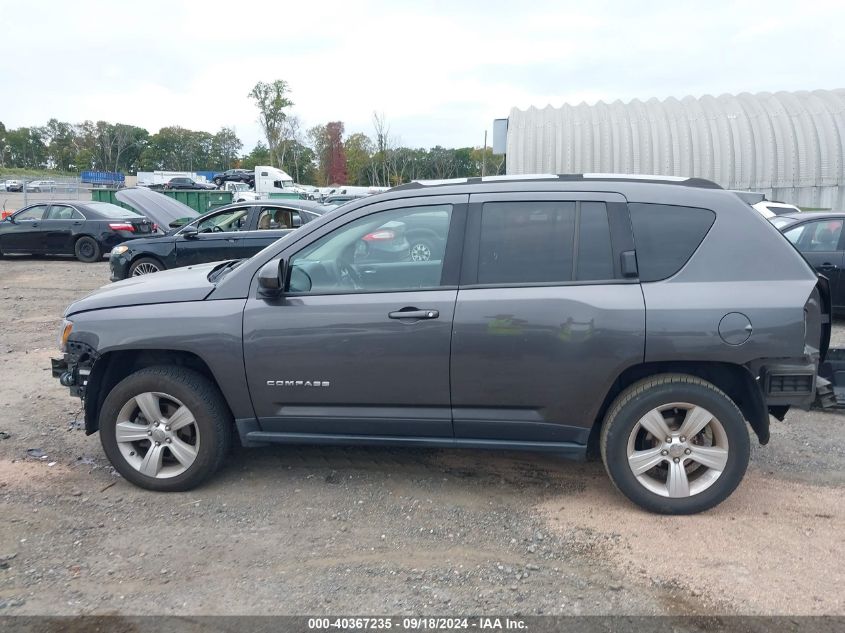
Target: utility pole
[{"x": 484, "y": 156}]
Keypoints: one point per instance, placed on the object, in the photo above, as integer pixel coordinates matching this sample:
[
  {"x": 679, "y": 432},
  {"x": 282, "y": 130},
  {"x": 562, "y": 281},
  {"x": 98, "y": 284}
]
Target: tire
[
  {"x": 218, "y": 182},
  {"x": 204, "y": 437},
  {"x": 144, "y": 266},
  {"x": 421, "y": 250},
  {"x": 675, "y": 481},
  {"x": 87, "y": 250}
]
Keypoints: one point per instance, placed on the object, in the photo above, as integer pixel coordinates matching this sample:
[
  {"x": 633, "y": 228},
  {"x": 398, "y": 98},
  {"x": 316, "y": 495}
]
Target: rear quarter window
[{"x": 666, "y": 236}]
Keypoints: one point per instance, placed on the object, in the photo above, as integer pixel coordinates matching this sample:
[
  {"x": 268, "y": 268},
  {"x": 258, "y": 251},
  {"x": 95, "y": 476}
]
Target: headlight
[
  {"x": 119, "y": 250},
  {"x": 67, "y": 328}
]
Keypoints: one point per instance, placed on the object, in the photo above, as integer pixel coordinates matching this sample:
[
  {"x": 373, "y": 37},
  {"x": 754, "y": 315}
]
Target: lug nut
[
  {"x": 687, "y": 452},
  {"x": 167, "y": 440},
  {"x": 149, "y": 432},
  {"x": 664, "y": 452},
  {"x": 668, "y": 440},
  {"x": 683, "y": 439},
  {"x": 159, "y": 444},
  {"x": 167, "y": 428},
  {"x": 156, "y": 423},
  {"x": 676, "y": 460}
]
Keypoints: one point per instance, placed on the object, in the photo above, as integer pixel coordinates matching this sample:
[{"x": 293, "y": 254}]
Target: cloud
[{"x": 440, "y": 72}]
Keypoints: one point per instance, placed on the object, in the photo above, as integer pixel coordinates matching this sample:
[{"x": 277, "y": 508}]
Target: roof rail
[{"x": 671, "y": 180}]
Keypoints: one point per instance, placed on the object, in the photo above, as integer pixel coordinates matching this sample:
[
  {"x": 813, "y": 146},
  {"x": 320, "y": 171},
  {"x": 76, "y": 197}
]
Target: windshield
[{"x": 109, "y": 210}]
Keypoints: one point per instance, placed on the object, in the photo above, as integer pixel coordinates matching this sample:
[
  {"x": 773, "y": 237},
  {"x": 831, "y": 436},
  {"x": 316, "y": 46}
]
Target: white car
[
  {"x": 14, "y": 185},
  {"x": 41, "y": 185},
  {"x": 769, "y": 209}
]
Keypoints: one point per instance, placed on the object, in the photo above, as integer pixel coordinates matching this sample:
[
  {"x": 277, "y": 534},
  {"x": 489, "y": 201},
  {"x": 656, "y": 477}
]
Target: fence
[{"x": 19, "y": 191}]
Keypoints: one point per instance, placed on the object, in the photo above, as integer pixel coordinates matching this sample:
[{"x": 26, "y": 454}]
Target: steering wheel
[
  {"x": 216, "y": 229},
  {"x": 348, "y": 275}
]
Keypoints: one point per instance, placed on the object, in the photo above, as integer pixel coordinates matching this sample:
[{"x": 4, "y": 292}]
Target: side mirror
[
  {"x": 271, "y": 278},
  {"x": 189, "y": 232}
]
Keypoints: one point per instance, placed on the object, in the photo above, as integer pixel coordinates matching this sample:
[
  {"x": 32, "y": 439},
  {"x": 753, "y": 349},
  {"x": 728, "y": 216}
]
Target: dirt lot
[{"x": 315, "y": 530}]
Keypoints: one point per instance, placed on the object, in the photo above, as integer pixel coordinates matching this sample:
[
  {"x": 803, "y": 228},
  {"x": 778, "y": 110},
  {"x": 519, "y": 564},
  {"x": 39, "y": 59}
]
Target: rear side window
[
  {"x": 666, "y": 236},
  {"x": 544, "y": 242}
]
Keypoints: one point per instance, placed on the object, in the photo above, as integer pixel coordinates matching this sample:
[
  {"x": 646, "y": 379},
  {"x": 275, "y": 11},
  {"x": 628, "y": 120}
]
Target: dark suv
[{"x": 627, "y": 317}]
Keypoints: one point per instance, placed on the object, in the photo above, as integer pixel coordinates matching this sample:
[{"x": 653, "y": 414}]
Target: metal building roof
[{"x": 788, "y": 145}]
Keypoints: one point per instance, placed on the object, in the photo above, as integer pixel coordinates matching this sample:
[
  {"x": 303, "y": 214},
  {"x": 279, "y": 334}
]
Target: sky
[{"x": 439, "y": 71}]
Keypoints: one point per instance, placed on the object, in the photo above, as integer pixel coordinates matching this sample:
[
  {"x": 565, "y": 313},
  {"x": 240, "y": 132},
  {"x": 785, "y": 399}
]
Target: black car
[
  {"x": 186, "y": 183},
  {"x": 231, "y": 232},
  {"x": 819, "y": 237},
  {"x": 84, "y": 229},
  {"x": 235, "y": 175}
]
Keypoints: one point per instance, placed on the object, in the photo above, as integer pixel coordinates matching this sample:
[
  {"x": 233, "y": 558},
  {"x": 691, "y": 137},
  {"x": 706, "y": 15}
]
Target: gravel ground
[{"x": 287, "y": 530}]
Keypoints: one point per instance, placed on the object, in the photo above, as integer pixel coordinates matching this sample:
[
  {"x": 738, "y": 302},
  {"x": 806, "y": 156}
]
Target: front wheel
[
  {"x": 145, "y": 266},
  {"x": 675, "y": 444},
  {"x": 165, "y": 428},
  {"x": 87, "y": 249}
]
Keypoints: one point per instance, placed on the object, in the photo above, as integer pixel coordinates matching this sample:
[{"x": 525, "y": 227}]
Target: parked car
[
  {"x": 84, "y": 229},
  {"x": 630, "y": 318},
  {"x": 231, "y": 232},
  {"x": 166, "y": 212},
  {"x": 187, "y": 183},
  {"x": 38, "y": 186},
  {"x": 14, "y": 185},
  {"x": 246, "y": 176},
  {"x": 339, "y": 199},
  {"x": 819, "y": 237},
  {"x": 769, "y": 209}
]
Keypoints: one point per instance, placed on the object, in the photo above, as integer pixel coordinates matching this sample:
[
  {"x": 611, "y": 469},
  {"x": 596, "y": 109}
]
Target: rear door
[
  {"x": 271, "y": 223},
  {"x": 545, "y": 319},
  {"x": 219, "y": 237},
  {"x": 59, "y": 225},
  {"x": 821, "y": 243},
  {"x": 24, "y": 233}
]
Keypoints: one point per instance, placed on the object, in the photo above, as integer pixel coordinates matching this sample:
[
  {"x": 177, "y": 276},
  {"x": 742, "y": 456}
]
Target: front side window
[
  {"x": 228, "y": 221},
  {"x": 33, "y": 213},
  {"x": 373, "y": 254}
]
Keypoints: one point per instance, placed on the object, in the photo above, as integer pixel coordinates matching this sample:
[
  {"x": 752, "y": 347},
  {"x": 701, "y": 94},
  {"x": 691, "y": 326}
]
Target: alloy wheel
[
  {"x": 157, "y": 435},
  {"x": 678, "y": 450},
  {"x": 420, "y": 252},
  {"x": 144, "y": 268}
]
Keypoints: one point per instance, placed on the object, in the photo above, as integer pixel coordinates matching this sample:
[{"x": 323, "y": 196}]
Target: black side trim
[{"x": 567, "y": 449}]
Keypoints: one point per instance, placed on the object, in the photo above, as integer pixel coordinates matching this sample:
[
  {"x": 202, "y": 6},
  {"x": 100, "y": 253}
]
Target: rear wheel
[
  {"x": 87, "y": 249},
  {"x": 422, "y": 250},
  {"x": 145, "y": 266},
  {"x": 218, "y": 182},
  {"x": 675, "y": 444},
  {"x": 165, "y": 428}
]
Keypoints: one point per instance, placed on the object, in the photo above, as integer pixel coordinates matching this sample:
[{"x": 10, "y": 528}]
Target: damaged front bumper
[{"x": 74, "y": 368}]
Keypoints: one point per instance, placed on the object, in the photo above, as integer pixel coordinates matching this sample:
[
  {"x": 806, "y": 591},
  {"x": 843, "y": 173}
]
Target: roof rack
[{"x": 671, "y": 180}]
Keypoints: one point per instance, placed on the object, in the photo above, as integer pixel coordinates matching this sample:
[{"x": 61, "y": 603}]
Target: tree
[
  {"x": 225, "y": 146},
  {"x": 359, "y": 150},
  {"x": 259, "y": 155},
  {"x": 271, "y": 101},
  {"x": 319, "y": 139},
  {"x": 336, "y": 158}
]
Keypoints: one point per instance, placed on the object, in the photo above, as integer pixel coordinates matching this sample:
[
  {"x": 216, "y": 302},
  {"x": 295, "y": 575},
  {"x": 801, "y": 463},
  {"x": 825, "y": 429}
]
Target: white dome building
[{"x": 788, "y": 145}]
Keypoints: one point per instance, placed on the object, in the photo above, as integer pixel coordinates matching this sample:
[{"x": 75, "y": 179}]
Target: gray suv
[{"x": 648, "y": 320}]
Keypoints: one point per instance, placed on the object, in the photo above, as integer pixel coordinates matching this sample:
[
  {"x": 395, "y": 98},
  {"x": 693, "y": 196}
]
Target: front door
[
  {"x": 218, "y": 237},
  {"x": 544, "y": 320},
  {"x": 360, "y": 342},
  {"x": 24, "y": 233}
]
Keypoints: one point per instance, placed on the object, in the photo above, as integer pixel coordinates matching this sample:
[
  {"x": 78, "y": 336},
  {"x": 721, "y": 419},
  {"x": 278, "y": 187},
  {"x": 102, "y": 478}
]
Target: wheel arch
[
  {"x": 145, "y": 256},
  {"x": 112, "y": 367},
  {"x": 735, "y": 380}
]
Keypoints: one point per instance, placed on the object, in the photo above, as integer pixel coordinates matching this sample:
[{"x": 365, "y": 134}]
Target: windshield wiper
[{"x": 221, "y": 271}]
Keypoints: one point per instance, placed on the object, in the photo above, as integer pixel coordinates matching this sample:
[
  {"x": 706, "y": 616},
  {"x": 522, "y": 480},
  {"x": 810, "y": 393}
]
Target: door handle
[
  {"x": 828, "y": 266},
  {"x": 232, "y": 239},
  {"x": 413, "y": 313}
]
